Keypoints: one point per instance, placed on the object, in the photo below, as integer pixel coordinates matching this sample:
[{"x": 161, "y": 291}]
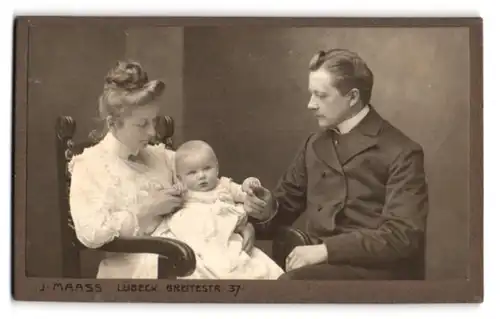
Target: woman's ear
[
  {"x": 109, "y": 121},
  {"x": 114, "y": 122}
]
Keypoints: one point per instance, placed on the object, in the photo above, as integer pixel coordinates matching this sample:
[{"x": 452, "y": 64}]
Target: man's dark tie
[{"x": 334, "y": 135}]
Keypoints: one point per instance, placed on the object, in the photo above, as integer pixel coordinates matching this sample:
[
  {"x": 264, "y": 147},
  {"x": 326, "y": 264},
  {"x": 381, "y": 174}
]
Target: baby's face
[{"x": 199, "y": 172}]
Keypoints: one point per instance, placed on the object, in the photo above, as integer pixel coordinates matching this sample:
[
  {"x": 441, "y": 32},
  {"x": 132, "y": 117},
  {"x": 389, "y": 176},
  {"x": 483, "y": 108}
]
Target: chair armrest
[
  {"x": 285, "y": 240},
  {"x": 176, "y": 258},
  {"x": 262, "y": 232}
]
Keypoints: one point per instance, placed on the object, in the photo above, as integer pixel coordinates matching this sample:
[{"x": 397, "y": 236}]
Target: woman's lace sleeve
[{"x": 96, "y": 220}]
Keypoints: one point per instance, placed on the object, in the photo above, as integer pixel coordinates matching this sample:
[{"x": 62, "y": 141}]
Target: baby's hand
[
  {"x": 241, "y": 225},
  {"x": 243, "y": 221},
  {"x": 249, "y": 184},
  {"x": 179, "y": 189},
  {"x": 225, "y": 197}
]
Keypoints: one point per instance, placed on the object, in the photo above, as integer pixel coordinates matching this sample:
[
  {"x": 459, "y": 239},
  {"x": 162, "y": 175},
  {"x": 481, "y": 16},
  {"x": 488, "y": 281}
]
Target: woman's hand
[{"x": 164, "y": 201}]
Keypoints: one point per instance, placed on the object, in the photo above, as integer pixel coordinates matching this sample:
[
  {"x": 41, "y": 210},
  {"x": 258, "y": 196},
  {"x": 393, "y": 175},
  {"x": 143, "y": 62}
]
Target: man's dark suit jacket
[{"x": 365, "y": 197}]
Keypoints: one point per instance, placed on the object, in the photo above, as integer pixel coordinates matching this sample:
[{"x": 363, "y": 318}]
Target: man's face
[{"x": 330, "y": 107}]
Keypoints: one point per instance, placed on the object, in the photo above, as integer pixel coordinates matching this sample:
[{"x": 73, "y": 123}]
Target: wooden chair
[{"x": 176, "y": 259}]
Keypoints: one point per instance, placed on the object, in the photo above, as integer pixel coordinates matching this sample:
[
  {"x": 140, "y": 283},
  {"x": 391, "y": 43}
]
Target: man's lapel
[
  {"x": 363, "y": 137},
  {"x": 323, "y": 147}
]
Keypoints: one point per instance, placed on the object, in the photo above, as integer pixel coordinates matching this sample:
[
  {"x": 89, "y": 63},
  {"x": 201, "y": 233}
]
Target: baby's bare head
[
  {"x": 192, "y": 149},
  {"x": 196, "y": 165}
]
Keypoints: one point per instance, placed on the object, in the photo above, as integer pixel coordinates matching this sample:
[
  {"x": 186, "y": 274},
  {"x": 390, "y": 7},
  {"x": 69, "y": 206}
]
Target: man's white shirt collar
[{"x": 349, "y": 124}]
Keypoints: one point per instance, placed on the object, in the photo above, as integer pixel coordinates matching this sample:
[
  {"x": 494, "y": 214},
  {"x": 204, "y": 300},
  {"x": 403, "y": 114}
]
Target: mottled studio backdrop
[{"x": 244, "y": 90}]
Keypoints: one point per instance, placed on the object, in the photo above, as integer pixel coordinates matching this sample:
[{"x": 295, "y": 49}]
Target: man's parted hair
[{"x": 348, "y": 71}]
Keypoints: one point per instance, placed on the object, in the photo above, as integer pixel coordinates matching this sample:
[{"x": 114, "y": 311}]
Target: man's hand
[
  {"x": 259, "y": 205},
  {"x": 306, "y": 255}
]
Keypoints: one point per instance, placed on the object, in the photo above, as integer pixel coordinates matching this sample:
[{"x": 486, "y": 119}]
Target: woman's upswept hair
[{"x": 126, "y": 86}]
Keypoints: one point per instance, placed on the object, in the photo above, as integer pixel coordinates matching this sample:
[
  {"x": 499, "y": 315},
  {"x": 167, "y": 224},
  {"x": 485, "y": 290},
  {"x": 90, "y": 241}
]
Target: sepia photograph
[{"x": 268, "y": 160}]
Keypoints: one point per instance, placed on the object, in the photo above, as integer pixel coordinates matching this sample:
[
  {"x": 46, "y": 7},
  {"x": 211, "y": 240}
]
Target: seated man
[{"x": 357, "y": 188}]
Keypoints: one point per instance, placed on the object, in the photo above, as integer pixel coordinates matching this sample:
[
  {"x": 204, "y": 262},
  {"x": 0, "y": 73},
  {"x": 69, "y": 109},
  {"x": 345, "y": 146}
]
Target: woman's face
[{"x": 137, "y": 127}]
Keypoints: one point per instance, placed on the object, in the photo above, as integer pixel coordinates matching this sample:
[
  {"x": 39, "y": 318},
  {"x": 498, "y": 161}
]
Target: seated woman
[{"x": 122, "y": 186}]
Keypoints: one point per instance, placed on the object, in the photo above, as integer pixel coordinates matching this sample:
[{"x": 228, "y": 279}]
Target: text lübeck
[{"x": 137, "y": 287}]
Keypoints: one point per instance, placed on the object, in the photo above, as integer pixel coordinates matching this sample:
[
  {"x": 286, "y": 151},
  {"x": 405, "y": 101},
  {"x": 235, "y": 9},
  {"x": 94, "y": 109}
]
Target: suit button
[
  {"x": 320, "y": 207},
  {"x": 323, "y": 174}
]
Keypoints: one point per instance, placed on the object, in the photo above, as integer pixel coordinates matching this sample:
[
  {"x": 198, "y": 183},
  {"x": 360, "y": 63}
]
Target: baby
[{"x": 213, "y": 220}]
